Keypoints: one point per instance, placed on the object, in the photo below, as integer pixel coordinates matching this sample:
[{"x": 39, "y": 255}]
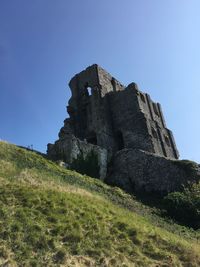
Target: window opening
[
  {"x": 88, "y": 89},
  {"x": 92, "y": 138},
  {"x": 120, "y": 140}
]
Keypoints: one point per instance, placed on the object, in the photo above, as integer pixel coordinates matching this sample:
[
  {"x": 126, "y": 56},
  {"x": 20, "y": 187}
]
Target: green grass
[{"x": 50, "y": 216}]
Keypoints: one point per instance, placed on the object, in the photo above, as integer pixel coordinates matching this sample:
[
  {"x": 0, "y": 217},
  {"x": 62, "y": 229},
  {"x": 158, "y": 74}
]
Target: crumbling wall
[
  {"x": 111, "y": 110},
  {"x": 70, "y": 148},
  {"x": 108, "y": 118},
  {"x": 137, "y": 170},
  {"x": 107, "y": 82},
  {"x": 128, "y": 119}
]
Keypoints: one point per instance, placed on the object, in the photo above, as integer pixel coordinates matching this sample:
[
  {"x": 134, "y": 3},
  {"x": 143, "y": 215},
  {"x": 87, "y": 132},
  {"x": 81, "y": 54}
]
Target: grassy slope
[{"x": 50, "y": 216}]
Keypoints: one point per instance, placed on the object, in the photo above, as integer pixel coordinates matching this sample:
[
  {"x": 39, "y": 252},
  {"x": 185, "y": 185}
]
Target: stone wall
[
  {"x": 70, "y": 148},
  {"x": 137, "y": 170}
]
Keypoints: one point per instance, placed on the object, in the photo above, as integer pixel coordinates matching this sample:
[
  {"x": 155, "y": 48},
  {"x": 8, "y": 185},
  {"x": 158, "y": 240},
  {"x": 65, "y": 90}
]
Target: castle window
[
  {"x": 92, "y": 138},
  {"x": 143, "y": 98},
  {"x": 154, "y": 133},
  {"x": 119, "y": 140},
  {"x": 167, "y": 141},
  {"x": 155, "y": 109},
  {"x": 88, "y": 89}
]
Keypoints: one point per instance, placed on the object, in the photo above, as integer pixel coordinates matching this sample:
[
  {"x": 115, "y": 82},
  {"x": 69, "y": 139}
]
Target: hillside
[{"x": 50, "y": 216}]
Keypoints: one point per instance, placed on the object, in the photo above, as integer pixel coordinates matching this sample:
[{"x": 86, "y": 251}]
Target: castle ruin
[{"x": 109, "y": 119}]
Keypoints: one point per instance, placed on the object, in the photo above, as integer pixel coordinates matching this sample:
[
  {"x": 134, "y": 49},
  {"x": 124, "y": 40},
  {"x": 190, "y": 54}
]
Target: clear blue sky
[{"x": 43, "y": 43}]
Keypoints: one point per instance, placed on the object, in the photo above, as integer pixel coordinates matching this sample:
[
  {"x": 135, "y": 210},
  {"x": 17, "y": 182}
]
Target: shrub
[
  {"x": 86, "y": 165},
  {"x": 185, "y": 206}
]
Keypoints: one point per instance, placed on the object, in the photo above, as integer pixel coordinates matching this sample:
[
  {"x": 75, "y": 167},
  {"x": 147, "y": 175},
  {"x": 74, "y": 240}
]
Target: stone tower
[{"x": 105, "y": 116}]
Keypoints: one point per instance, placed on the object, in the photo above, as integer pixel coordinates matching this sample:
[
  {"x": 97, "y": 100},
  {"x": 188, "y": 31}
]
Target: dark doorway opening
[
  {"x": 119, "y": 140},
  {"x": 92, "y": 138}
]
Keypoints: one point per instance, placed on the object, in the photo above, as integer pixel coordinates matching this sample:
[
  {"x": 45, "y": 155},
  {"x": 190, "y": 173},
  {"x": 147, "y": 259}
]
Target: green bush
[
  {"x": 86, "y": 165},
  {"x": 185, "y": 206}
]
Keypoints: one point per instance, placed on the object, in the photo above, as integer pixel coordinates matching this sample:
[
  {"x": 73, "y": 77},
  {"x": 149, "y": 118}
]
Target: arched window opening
[
  {"x": 119, "y": 140},
  {"x": 88, "y": 89},
  {"x": 92, "y": 138}
]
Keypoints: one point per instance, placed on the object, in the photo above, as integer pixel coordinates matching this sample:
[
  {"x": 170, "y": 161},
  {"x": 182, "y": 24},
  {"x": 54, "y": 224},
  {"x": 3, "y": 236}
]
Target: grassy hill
[{"x": 50, "y": 216}]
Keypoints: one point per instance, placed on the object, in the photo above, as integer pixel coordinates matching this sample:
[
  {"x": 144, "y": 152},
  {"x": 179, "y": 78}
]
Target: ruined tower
[{"x": 105, "y": 117}]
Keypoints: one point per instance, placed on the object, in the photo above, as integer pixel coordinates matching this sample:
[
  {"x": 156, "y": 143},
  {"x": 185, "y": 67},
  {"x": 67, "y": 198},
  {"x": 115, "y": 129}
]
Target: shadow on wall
[
  {"x": 119, "y": 140},
  {"x": 92, "y": 138}
]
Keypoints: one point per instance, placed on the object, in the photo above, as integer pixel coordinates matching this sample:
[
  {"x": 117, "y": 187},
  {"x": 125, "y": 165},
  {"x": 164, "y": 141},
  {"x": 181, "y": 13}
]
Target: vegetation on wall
[
  {"x": 86, "y": 165},
  {"x": 185, "y": 206},
  {"x": 188, "y": 166}
]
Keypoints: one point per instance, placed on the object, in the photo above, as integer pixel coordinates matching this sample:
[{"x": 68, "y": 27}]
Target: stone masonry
[{"x": 107, "y": 117}]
